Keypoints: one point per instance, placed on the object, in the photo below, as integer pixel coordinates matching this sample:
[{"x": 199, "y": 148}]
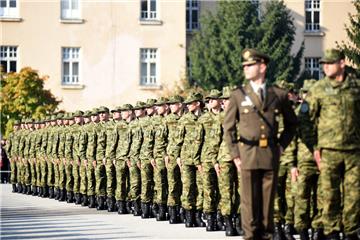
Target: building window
[
  {"x": 192, "y": 15},
  {"x": 9, "y": 8},
  {"x": 312, "y": 67},
  {"x": 148, "y": 9},
  {"x": 148, "y": 71},
  {"x": 70, "y": 66},
  {"x": 8, "y": 57},
  {"x": 312, "y": 15},
  {"x": 70, "y": 9}
]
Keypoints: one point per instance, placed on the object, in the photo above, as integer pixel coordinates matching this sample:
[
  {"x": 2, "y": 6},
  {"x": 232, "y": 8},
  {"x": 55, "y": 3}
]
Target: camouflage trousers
[
  {"x": 62, "y": 175},
  {"x": 174, "y": 183},
  {"x": 306, "y": 197},
  {"x": 27, "y": 172},
  {"x": 160, "y": 182},
  {"x": 33, "y": 172},
  {"x": 122, "y": 175},
  {"x": 229, "y": 186},
  {"x": 147, "y": 181},
  {"x": 38, "y": 172},
  {"x": 13, "y": 175},
  {"x": 110, "y": 178},
  {"x": 69, "y": 177},
  {"x": 100, "y": 179},
  {"x": 192, "y": 190},
  {"x": 56, "y": 173},
  {"x": 76, "y": 176},
  {"x": 210, "y": 186},
  {"x": 83, "y": 178},
  {"x": 284, "y": 200},
  {"x": 50, "y": 173},
  {"x": 44, "y": 170},
  {"x": 91, "y": 183},
  {"x": 338, "y": 166},
  {"x": 19, "y": 171},
  {"x": 135, "y": 182}
]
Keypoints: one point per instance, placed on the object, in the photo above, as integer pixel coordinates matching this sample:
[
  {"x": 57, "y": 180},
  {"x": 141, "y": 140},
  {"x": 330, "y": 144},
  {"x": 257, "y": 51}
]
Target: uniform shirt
[
  {"x": 161, "y": 137},
  {"x": 174, "y": 141},
  {"x": 137, "y": 140},
  {"x": 147, "y": 146},
  {"x": 124, "y": 134}
]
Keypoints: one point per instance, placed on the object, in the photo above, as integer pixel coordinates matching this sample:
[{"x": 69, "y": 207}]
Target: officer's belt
[{"x": 270, "y": 141}]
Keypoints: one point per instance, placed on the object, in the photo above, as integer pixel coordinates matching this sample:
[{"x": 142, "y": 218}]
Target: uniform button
[
  {"x": 262, "y": 127},
  {"x": 241, "y": 144},
  {"x": 262, "y": 135}
]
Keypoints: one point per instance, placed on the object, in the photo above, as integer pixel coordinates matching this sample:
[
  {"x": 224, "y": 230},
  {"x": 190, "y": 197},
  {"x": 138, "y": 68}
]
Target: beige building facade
[{"x": 110, "y": 52}]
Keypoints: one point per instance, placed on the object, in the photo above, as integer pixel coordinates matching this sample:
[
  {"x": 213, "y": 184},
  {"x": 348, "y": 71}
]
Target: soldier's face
[
  {"x": 214, "y": 103},
  {"x": 150, "y": 110},
  {"x": 71, "y": 121},
  {"x": 42, "y": 125},
  {"x": 16, "y": 127},
  {"x": 59, "y": 121},
  {"x": 78, "y": 120},
  {"x": 104, "y": 116},
  {"x": 161, "y": 109},
  {"x": 47, "y": 124},
  {"x": 138, "y": 112},
  {"x": 125, "y": 114},
  {"x": 254, "y": 71},
  {"x": 175, "y": 107},
  {"x": 225, "y": 103},
  {"x": 66, "y": 122},
  {"x": 94, "y": 118},
  {"x": 116, "y": 115},
  {"x": 332, "y": 70},
  {"x": 193, "y": 106},
  {"x": 86, "y": 119},
  {"x": 53, "y": 123}
]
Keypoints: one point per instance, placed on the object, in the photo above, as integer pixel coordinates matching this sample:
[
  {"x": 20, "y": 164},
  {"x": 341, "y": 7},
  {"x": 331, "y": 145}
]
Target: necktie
[{"x": 261, "y": 94}]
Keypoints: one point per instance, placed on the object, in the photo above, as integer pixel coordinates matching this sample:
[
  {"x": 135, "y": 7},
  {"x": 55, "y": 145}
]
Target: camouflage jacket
[
  {"x": 174, "y": 142},
  {"x": 147, "y": 146},
  {"x": 124, "y": 134},
  {"x": 137, "y": 140},
  {"x": 90, "y": 131},
  {"x": 101, "y": 140},
  {"x": 111, "y": 140},
  {"x": 224, "y": 153},
  {"x": 161, "y": 137}
]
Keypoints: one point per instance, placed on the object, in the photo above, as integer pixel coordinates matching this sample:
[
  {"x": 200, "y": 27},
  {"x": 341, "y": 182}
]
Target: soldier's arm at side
[
  {"x": 230, "y": 132},
  {"x": 290, "y": 123}
]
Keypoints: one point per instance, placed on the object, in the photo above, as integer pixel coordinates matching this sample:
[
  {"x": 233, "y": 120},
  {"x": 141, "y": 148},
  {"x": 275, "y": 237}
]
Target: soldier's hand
[
  {"x": 78, "y": 163},
  {"x": 113, "y": 162},
  {"x": 128, "y": 162},
  {"x": 179, "y": 163},
  {"x": 71, "y": 162},
  {"x": 237, "y": 162},
  {"x": 199, "y": 167},
  {"x": 94, "y": 164},
  {"x": 217, "y": 169},
  {"x": 166, "y": 159},
  {"x": 138, "y": 164},
  {"x": 153, "y": 163},
  {"x": 104, "y": 161},
  {"x": 294, "y": 174},
  {"x": 317, "y": 157},
  {"x": 85, "y": 162}
]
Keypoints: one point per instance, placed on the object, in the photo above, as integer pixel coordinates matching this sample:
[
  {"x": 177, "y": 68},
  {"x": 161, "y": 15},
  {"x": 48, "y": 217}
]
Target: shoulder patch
[{"x": 304, "y": 107}]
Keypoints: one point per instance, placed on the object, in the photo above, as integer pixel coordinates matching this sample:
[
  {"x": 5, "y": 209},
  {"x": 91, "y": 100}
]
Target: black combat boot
[
  {"x": 78, "y": 198},
  {"x": 137, "y": 208},
  {"x": 100, "y": 203},
  {"x": 122, "y": 207},
  {"x": 19, "y": 188},
  {"x": 211, "y": 222},
  {"x": 28, "y": 190},
  {"x": 351, "y": 236},
  {"x": 154, "y": 210},
  {"x": 161, "y": 215},
  {"x": 91, "y": 201},
  {"x": 189, "y": 218},
  {"x": 111, "y": 204},
  {"x": 70, "y": 197},
  {"x": 318, "y": 234},
  {"x": 57, "y": 193},
  {"x": 51, "y": 192},
  {"x": 45, "y": 192},
  {"x": 84, "y": 202},
  {"x": 182, "y": 215},
  {"x": 333, "y": 236},
  {"x": 304, "y": 234},
  {"x": 129, "y": 207},
  {"x": 34, "y": 191},
  {"x": 40, "y": 192},
  {"x": 278, "y": 232},
  {"x": 173, "y": 215},
  {"x": 14, "y": 188},
  {"x": 198, "y": 219},
  {"x": 62, "y": 197},
  {"x": 238, "y": 228},
  {"x": 24, "y": 189},
  {"x": 220, "y": 221},
  {"x": 145, "y": 208},
  {"x": 289, "y": 231},
  {"x": 229, "y": 227}
]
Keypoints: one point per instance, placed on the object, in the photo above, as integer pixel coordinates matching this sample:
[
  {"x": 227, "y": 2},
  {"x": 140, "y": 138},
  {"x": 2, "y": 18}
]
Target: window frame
[
  {"x": 9, "y": 12},
  {"x": 312, "y": 64},
  {"x": 148, "y": 61},
  {"x": 9, "y": 59},
  {"x": 74, "y": 14},
  {"x": 148, "y": 12},
  {"x": 189, "y": 9},
  {"x": 70, "y": 61},
  {"x": 312, "y": 6}
]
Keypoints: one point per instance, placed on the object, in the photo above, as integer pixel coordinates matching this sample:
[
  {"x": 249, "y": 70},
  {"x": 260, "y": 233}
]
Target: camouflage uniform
[
  {"x": 79, "y": 153},
  {"x": 62, "y": 161},
  {"x": 334, "y": 111},
  {"x": 110, "y": 154},
  {"x": 69, "y": 151}
]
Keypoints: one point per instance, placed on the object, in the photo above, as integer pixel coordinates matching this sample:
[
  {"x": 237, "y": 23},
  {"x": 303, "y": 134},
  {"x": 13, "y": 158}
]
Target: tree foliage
[
  {"x": 215, "y": 51},
  {"x": 23, "y": 96}
]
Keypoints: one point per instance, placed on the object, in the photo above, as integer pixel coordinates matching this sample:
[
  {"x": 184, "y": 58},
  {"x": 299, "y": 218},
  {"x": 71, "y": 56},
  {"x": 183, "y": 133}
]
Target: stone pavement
[{"x": 29, "y": 217}]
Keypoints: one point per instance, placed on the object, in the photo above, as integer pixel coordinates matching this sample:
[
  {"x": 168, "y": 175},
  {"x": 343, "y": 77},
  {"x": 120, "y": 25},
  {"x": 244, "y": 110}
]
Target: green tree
[
  {"x": 23, "y": 96},
  {"x": 352, "y": 48},
  {"x": 215, "y": 51}
]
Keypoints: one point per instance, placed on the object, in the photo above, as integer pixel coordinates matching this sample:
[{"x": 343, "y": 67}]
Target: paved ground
[{"x": 28, "y": 217}]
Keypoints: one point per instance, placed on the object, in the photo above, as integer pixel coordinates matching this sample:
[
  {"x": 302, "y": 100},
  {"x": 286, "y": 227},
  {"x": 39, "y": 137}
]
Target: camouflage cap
[
  {"x": 150, "y": 102},
  {"x": 308, "y": 83},
  {"x": 193, "y": 97},
  {"x": 53, "y": 117},
  {"x": 285, "y": 85},
  {"x": 94, "y": 111},
  {"x": 226, "y": 92},
  {"x": 162, "y": 101},
  {"x": 251, "y": 56},
  {"x": 59, "y": 116},
  {"x": 87, "y": 113},
  {"x": 139, "y": 105},
  {"x": 126, "y": 107},
  {"x": 103, "y": 109},
  {"x": 29, "y": 120},
  {"x": 332, "y": 55},
  {"x": 175, "y": 99},
  {"x": 117, "y": 109},
  {"x": 214, "y": 94},
  {"x": 78, "y": 113},
  {"x": 17, "y": 122}
]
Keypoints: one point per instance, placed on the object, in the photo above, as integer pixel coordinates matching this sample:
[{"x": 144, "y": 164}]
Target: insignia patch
[
  {"x": 304, "y": 107},
  {"x": 246, "y": 54}
]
